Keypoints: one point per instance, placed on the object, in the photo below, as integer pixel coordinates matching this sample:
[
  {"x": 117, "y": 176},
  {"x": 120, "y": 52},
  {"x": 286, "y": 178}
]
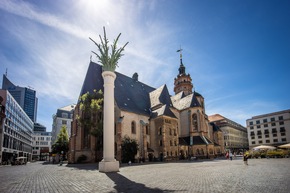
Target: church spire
[
  {"x": 183, "y": 81},
  {"x": 181, "y": 67}
]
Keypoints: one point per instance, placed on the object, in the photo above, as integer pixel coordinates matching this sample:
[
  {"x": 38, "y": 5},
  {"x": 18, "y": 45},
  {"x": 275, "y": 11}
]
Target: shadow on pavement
[
  {"x": 123, "y": 184},
  {"x": 84, "y": 166}
]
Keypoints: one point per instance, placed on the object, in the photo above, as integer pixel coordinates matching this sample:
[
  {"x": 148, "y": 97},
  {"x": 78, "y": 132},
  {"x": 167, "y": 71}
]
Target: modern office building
[
  {"x": 26, "y": 97},
  {"x": 16, "y": 130},
  {"x": 235, "y": 135},
  {"x": 63, "y": 117},
  {"x": 41, "y": 146},
  {"x": 269, "y": 129}
]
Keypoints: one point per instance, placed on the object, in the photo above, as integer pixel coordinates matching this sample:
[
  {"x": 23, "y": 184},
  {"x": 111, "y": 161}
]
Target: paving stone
[{"x": 260, "y": 176}]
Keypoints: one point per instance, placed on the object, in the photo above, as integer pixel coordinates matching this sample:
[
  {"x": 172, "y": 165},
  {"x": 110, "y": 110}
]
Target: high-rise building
[
  {"x": 63, "y": 117},
  {"x": 269, "y": 129},
  {"x": 15, "y": 132},
  {"x": 26, "y": 97}
]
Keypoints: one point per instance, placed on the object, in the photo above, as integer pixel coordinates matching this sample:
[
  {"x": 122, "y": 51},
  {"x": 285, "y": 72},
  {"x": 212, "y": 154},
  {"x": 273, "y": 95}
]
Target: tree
[
  {"x": 91, "y": 119},
  {"x": 129, "y": 149},
  {"x": 62, "y": 142},
  {"x": 109, "y": 61}
]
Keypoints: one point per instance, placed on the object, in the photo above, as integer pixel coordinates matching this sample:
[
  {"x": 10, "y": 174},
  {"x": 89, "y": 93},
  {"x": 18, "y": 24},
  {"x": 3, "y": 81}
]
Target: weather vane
[{"x": 180, "y": 50}]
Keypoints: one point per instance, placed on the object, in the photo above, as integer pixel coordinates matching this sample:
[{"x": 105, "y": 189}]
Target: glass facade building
[
  {"x": 16, "y": 131},
  {"x": 25, "y": 97}
]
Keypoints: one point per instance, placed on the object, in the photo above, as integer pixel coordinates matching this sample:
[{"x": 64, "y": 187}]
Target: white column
[{"x": 109, "y": 163}]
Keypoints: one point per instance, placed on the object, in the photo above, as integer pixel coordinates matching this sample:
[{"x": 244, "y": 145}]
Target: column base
[{"x": 109, "y": 166}]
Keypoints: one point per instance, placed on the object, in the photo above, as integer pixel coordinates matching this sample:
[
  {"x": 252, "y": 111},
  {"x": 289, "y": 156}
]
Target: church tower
[{"x": 183, "y": 81}]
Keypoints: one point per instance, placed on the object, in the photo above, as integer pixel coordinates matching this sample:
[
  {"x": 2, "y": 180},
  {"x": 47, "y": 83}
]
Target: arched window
[
  {"x": 133, "y": 127},
  {"x": 194, "y": 122}
]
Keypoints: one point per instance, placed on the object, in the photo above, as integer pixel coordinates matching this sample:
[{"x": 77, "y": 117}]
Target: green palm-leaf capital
[{"x": 109, "y": 61}]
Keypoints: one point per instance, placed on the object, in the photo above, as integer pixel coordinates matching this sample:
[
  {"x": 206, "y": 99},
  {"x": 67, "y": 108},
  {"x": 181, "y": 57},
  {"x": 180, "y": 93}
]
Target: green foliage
[
  {"x": 81, "y": 159},
  {"x": 62, "y": 142},
  {"x": 109, "y": 61},
  {"x": 91, "y": 105},
  {"x": 129, "y": 149}
]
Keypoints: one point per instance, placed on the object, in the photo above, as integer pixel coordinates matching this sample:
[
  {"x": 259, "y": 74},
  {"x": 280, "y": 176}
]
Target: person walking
[
  {"x": 231, "y": 156},
  {"x": 245, "y": 158}
]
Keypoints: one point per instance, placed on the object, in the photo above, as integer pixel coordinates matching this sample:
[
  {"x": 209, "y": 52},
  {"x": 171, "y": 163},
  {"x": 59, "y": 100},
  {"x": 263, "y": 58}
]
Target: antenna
[{"x": 6, "y": 72}]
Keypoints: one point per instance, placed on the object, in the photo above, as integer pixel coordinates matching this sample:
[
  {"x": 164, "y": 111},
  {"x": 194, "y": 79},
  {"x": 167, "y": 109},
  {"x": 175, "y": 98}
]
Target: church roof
[
  {"x": 163, "y": 110},
  {"x": 185, "y": 102},
  {"x": 160, "y": 96},
  {"x": 196, "y": 140},
  {"x": 130, "y": 94}
]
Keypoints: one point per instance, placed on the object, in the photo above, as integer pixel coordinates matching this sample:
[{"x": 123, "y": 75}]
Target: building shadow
[{"x": 123, "y": 184}]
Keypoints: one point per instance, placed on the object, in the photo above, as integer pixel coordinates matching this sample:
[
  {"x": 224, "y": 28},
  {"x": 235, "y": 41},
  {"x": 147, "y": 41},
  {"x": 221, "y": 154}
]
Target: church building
[{"x": 165, "y": 127}]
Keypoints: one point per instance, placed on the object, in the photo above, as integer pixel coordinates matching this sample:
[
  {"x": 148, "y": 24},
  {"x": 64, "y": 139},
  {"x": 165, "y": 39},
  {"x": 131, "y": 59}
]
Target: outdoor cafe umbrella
[
  {"x": 264, "y": 147},
  {"x": 285, "y": 145}
]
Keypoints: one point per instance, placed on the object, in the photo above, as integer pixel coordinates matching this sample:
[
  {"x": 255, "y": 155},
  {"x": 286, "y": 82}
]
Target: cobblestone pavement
[{"x": 261, "y": 175}]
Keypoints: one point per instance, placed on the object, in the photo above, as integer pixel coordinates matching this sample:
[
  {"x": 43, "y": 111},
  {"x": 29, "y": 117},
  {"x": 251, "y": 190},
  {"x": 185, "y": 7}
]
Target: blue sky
[{"x": 237, "y": 52}]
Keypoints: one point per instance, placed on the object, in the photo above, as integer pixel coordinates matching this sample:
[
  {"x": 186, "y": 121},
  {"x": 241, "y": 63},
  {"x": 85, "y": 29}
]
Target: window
[
  {"x": 283, "y": 139},
  {"x": 258, "y": 126},
  {"x": 253, "y": 142},
  {"x": 64, "y": 115},
  {"x": 283, "y": 134},
  {"x": 281, "y": 123},
  {"x": 265, "y": 125},
  {"x": 251, "y": 127},
  {"x": 282, "y": 129},
  {"x": 259, "y": 137},
  {"x": 253, "y": 137},
  {"x": 251, "y": 122},
  {"x": 274, "y": 134},
  {"x": 273, "y": 124},
  {"x": 267, "y": 141},
  {"x": 160, "y": 131},
  {"x": 147, "y": 130},
  {"x": 258, "y": 122},
  {"x": 194, "y": 122},
  {"x": 275, "y": 140},
  {"x": 160, "y": 142},
  {"x": 280, "y": 118},
  {"x": 273, "y": 119},
  {"x": 264, "y": 120},
  {"x": 267, "y": 136},
  {"x": 252, "y": 133},
  {"x": 274, "y": 130},
  {"x": 170, "y": 143},
  {"x": 170, "y": 131},
  {"x": 133, "y": 127},
  {"x": 260, "y": 141},
  {"x": 63, "y": 122}
]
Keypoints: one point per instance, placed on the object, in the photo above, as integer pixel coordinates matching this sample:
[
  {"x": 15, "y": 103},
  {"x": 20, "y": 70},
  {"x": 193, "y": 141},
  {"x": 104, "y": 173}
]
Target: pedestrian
[
  {"x": 245, "y": 158},
  {"x": 227, "y": 155},
  {"x": 231, "y": 156}
]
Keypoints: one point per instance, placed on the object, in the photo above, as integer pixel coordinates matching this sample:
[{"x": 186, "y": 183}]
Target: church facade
[{"x": 165, "y": 127}]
